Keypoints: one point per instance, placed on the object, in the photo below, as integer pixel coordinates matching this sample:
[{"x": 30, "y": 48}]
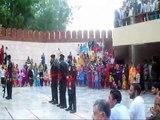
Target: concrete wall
[
  {"x": 140, "y": 33},
  {"x": 21, "y": 50}
]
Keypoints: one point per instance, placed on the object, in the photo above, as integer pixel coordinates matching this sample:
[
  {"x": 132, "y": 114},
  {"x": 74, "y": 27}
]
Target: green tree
[
  {"x": 16, "y": 13},
  {"x": 51, "y": 15},
  {"x": 42, "y": 15}
]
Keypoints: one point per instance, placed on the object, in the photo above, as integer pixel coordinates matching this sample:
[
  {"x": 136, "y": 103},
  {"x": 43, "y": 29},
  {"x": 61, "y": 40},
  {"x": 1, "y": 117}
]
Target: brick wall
[{"x": 13, "y": 34}]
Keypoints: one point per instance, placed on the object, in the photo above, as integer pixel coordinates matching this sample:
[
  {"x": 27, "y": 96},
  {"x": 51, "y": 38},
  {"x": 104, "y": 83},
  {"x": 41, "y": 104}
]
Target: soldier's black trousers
[
  {"x": 9, "y": 89},
  {"x": 54, "y": 92},
  {"x": 63, "y": 98},
  {"x": 72, "y": 101}
]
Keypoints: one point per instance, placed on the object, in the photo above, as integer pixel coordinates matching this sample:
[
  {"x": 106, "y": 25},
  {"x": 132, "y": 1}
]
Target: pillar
[{"x": 132, "y": 54}]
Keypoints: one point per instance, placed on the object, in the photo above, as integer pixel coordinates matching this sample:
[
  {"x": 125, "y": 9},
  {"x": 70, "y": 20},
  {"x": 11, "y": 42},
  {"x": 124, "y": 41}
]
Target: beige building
[{"x": 137, "y": 42}]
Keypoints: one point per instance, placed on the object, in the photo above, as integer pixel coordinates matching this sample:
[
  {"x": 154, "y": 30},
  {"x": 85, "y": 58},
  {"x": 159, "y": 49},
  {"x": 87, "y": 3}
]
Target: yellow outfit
[
  {"x": 132, "y": 74},
  {"x": 124, "y": 82}
]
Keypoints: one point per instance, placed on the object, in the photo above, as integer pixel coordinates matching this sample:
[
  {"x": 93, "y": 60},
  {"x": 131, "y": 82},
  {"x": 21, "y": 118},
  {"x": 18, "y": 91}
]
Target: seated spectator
[
  {"x": 137, "y": 107},
  {"x": 155, "y": 88},
  {"x": 101, "y": 110},
  {"x": 118, "y": 111},
  {"x": 155, "y": 111}
]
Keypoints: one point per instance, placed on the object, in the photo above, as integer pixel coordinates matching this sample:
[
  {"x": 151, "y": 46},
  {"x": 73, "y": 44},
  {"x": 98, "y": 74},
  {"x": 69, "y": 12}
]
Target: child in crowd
[
  {"x": 15, "y": 75},
  {"x": 21, "y": 76},
  {"x": 37, "y": 81},
  {"x": 111, "y": 80},
  {"x": 46, "y": 77},
  {"x": 81, "y": 77},
  {"x": 114, "y": 85},
  {"x": 3, "y": 79},
  {"x": 96, "y": 80},
  {"x": 124, "y": 82},
  {"x": 103, "y": 77},
  {"x": 137, "y": 77}
]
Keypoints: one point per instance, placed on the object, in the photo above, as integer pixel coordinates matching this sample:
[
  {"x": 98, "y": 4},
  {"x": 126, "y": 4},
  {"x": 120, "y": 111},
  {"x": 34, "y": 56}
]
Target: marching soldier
[
  {"x": 71, "y": 77},
  {"x": 54, "y": 80},
  {"x": 9, "y": 81},
  {"x": 62, "y": 82}
]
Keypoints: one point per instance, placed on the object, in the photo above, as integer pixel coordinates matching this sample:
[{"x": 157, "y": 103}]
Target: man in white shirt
[
  {"x": 118, "y": 111},
  {"x": 3, "y": 81},
  {"x": 137, "y": 107}
]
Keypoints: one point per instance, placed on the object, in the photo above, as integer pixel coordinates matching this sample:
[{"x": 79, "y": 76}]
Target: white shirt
[
  {"x": 59, "y": 52},
  {"x": 137, "y": 78},
  {"x": 2, "y": 73},
  {"x": 131, "y": 12},
  {"x": 119, "y": 112},
  {"x": 112, "y": 60},
  {"x": 137, "y": 109}
]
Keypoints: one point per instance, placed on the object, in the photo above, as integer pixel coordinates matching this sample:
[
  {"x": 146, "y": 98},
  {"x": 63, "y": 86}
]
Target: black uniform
[
  {"x": 41, "y": 77},
  {"x": 9, "y": 81},
  {"x": 54, "y": 81},
  {"x": 62, "y": 82},
  {"x": 30, "y": 77},
  {"x": 71, "y": 89}
]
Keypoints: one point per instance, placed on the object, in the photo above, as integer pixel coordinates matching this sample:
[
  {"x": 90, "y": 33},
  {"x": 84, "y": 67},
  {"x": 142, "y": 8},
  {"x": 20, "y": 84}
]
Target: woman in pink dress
[{"x": 20, "y": 78}]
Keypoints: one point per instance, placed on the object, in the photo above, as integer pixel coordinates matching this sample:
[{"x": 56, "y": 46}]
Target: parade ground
[{"x": 32, "y": 103}]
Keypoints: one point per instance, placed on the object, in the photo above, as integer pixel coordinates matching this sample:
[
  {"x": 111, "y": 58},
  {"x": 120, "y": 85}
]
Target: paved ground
[{"x": 32, "y": 103}]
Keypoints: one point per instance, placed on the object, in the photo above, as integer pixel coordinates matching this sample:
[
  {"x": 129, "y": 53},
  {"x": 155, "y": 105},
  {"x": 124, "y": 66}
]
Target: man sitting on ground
[{"x": 155, "y": 88}]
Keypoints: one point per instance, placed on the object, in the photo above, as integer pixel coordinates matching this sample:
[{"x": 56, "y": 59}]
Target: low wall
[{"x": 21, "y": 50}]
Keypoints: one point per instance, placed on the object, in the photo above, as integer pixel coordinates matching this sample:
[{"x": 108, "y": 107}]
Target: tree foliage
[{"x": 42, "y": 15}]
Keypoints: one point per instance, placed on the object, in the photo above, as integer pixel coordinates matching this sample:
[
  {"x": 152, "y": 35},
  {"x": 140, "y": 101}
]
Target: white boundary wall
[{"x": 21, "y": 50}]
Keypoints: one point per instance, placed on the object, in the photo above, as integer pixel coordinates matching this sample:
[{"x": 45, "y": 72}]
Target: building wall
[{"x": 140, "y": 33}]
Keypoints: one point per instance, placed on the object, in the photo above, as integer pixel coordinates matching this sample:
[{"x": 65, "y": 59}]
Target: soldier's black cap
[
  {"x": 9, "y": 57},
  {"x": 69, "y": 57},
  {"x": 52, "y": 56},
  {"x": 62, "y": 56}
]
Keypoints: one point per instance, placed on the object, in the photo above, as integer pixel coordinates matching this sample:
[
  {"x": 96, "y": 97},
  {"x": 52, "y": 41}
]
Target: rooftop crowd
[{"x": 135, "y": 11}]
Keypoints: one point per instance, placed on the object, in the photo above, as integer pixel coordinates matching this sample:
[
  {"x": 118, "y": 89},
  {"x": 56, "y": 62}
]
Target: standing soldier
[
  {"x": 71, "y": 88},
  {"x": 9, "y": 81},
  {"x": 62, "y": 82},
  {"x": 54, "y": 79}
]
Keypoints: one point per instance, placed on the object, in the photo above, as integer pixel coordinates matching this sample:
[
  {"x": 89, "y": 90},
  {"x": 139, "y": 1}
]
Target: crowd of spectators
[{"x": 135, "y": 11}]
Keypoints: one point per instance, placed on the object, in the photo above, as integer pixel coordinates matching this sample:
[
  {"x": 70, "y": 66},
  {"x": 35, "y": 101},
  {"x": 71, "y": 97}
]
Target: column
[{"x": 132, "y": 54}]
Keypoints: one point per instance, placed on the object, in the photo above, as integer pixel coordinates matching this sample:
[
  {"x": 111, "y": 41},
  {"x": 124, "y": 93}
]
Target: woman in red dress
[{"x": 2, "y": 55}]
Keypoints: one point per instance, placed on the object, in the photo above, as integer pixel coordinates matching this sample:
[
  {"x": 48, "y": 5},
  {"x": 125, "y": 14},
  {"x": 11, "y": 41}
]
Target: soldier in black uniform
[
  {"x": 9, "y": 81},
  {"x": 62, "y": 82},
  {"x": 54, "y": 79},
  {"x": 30, "y": 73},
  {"x": 71, "y": 77}
]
